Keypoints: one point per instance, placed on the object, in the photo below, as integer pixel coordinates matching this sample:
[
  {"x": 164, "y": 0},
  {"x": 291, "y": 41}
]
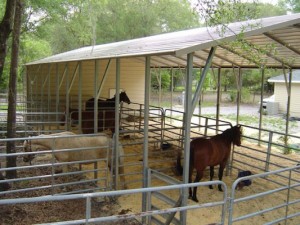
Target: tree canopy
[{"x": 51, "y": 27}]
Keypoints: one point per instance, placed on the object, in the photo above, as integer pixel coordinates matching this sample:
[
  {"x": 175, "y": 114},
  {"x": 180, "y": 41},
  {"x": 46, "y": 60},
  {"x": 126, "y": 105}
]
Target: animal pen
[{"x": 88, "y": 192}]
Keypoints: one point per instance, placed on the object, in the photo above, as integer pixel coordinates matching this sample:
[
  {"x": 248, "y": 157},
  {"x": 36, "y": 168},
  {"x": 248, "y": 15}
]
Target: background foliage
[{"x": 55, "y": 26}]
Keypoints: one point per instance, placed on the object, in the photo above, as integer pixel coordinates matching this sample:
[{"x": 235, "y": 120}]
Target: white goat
[{"x": 58, "y": 144}]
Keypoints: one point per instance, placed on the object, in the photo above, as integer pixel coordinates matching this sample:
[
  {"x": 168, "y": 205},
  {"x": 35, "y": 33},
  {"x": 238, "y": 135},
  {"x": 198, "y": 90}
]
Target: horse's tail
[{"x": 179, "y": 168}]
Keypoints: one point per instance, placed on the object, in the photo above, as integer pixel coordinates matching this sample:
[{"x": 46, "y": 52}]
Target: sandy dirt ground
[
  {"x": 158, "y": 159},
  {"x": 211, "y": 215}
]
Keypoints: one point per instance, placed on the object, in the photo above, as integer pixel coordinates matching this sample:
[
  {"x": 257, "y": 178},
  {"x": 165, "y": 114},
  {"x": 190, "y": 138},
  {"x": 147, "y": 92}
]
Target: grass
[
  {"x": 273, "y": 123},
  {"x": 4, "y": 107}
]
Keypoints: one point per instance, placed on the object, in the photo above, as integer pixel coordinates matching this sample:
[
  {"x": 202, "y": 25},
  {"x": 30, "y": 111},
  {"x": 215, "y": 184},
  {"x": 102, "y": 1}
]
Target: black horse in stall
[
  {"x": 109, "y": 103},
  {"x": 106, "y": 114}
]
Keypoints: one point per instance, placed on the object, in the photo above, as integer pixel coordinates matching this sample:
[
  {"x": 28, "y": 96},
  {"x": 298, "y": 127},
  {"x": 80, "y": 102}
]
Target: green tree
[
  {"x": 11, "y": 112},
  {"x": 290, "y": 5},
  {"x": 161, "y": 78},
  {"x": 96, "y": 22},
  {"x": 56, "y": 26},
  {"x": 222, "y": 12},
  {"x": 6, "y": 26}
]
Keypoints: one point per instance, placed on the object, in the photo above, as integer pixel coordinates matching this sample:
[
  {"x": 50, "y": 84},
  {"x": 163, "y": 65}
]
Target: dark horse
[
  {"x": 106, "y": 114},
  {"x": 210, "y": 152},
  {"x": 106, "y": 120},
  {"x": 109, "y": 103}
]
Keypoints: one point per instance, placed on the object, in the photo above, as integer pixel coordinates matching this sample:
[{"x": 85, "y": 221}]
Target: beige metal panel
[
  {"x": 131, "y": 80},
  {"x": 295, "y": 103},
  {"x": 280, "y": 92}
]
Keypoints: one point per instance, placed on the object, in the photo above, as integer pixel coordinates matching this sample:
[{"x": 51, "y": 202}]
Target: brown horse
[
  {"x": 106, "y": 114},
  {"x": 210, "y": 152},
  {"x": 106, "y": 120},
  {"x": 109, "y": 103}
]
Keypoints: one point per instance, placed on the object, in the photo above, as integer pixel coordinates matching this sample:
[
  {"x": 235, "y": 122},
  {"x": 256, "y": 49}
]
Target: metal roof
[
  {"x": 280, "y": 78},
  {"x": 170, "y": 49}
]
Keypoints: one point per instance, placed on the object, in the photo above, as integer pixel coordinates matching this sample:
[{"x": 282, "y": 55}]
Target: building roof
[
  {"x": 171, "y": 49},
  {"x": 281, "y": 79}
]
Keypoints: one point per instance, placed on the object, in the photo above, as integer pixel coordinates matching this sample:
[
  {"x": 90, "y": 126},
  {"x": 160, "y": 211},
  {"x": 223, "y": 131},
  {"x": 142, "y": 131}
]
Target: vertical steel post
[
  {"x": 200, "y": 104},
  {"x": 218, "y": 98},
  {"x": 187, "y": 130},
  {"x": 239, "y": 95},
  {"x": 96, "y": 95},
  {"x": 269, "y": 152},
  {"x": 117, "y": 124},
  {"x": 288, "y": 109},
  {"x": 80, "y": 94},
  {"x": 261, "y": 103},
  {"x": 67, "y": 96},
  {"x": 146, "y": 130},
  {"x": 202, "y": 78},
  {"x": 49, "y": 97},
  {"x": 57, "y": 93}
]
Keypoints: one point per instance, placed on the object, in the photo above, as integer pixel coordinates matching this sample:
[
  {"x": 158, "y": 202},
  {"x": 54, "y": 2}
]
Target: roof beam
[
  {"x": 205, "y": 59},
  {"x": 282, "y": 43},
  {"x": 257, "y": 48},
  {"x": 196, "y": 64},
  {"x": 239, "y": 54},
  {"x": 158, "y": 61},
  {"x": 175, "y": 62},
  {"x": 297, "y": 25},
  {"x": 223, "y": 58}
]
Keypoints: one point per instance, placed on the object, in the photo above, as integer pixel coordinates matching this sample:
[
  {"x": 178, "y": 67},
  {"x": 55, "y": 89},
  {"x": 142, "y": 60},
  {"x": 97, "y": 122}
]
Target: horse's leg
[
  {"x": 190, "y": 181},
  {"x": 221, "y": 170},
  {"x": 199, "y": 175},
  {"x": 212, "y": 173}
]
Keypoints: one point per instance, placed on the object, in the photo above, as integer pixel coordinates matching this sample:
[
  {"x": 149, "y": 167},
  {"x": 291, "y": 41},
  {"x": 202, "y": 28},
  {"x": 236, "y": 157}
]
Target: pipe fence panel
[
  {"x": 160, "y": 200},
  {"x": 285, "y": 210},
  {"x": 37, "y": 169},
  {"x": 265, "y": 154}
]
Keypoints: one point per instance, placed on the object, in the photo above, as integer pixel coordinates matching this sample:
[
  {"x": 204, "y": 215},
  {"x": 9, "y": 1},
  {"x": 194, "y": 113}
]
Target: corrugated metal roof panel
[
  {"x": 280, "y": 78},
  {"x": 200, "y": 40}
]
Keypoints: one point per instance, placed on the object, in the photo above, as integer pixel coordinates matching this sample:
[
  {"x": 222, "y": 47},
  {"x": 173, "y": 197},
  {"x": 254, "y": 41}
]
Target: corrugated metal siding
[
  {"x": 41, "y": 89},
  {"x": 295, "y": 100},
  {"x": 280, "y": 97},
  {"x": 280, "y": 92}
]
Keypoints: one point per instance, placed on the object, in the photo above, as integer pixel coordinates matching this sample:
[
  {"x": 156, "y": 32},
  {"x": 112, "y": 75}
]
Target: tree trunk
[
  {"x": 12, "y": 94},
  {"x": 6, "y": 28}
]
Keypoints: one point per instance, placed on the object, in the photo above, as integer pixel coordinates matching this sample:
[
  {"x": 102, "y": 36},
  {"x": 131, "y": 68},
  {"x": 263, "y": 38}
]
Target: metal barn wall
[
  {"x": 280, "y": 92},
  {"x": 46, "y": 81}
]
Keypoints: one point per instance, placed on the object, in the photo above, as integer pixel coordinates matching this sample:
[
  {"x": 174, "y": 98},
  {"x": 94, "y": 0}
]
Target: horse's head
[
  {"x": 124, "y": 97},
  {"x": 237, "y": 135},
  {"x": 27, "y": 148}
]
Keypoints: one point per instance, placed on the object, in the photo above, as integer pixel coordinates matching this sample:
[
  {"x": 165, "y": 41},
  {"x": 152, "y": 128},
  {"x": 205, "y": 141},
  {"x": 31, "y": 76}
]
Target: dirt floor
[
  {"x": 23, "y": 214},
  {"x": 212, "y": 215}
]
